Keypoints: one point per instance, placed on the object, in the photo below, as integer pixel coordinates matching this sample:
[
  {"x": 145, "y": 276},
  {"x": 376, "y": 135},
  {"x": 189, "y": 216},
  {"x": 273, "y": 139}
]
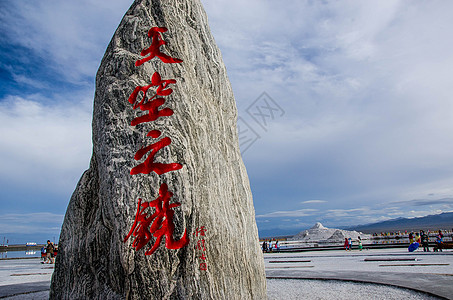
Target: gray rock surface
[{"x": 212, "y": 186}]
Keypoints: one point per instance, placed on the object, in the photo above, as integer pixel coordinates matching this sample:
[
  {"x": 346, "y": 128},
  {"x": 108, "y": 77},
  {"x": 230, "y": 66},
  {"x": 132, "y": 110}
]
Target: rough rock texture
[{"x": 212, "y": 186}]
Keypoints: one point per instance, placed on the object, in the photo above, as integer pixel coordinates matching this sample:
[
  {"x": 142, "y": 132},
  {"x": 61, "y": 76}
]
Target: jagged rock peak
[{"x": 318, "y": 225}]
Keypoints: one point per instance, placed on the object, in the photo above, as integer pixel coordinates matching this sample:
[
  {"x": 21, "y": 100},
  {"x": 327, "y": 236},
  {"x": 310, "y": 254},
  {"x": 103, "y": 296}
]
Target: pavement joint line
[
  {"x": 12, "y": 258},
  {"x": 24, "y": 293},
  {"x": 288, "y": 261},
  {"x": 440, "y": 274},
  {"x": 390, "y": 259},
  {"x": 412, "y": 265},
  {"x": 364, "y": 254},
  {"x": 27, "y": 274},
  {"x": 290, "y": 267}
]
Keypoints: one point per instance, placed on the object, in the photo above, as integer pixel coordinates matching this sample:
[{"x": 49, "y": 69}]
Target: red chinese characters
[
  {"x": 159, "y": 224},
  {"x": 149, "y": 165},
  {"x": 154, "y": 49},
  {"x": 149, "y": 225},
  {"x": 203, "y": 266},
  {"x": 152, "y": 105},
  {"x": 201, "y": 246},
  {"x": 162, "y": 90},
  {"x": 200, "y": 231}
]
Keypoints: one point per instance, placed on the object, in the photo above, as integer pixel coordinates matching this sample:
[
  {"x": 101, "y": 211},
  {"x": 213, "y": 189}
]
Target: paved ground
[
  {"x": 278, "y": 289},
  {"x": 427, "y": 272},
  {"x": 423, "y": 271},
  {"x": 25, "y": 277}
]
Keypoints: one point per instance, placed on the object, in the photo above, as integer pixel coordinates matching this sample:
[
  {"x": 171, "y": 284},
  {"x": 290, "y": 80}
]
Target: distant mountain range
[{"x": 431, "y": 222}]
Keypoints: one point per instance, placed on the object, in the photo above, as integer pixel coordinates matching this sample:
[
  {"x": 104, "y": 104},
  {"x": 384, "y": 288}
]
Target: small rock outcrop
[
  {"x": 339, "y": 235},
  {"x": 210, "y": 247}
]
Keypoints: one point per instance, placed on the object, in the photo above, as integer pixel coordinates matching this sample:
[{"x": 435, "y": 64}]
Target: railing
[{"x": 373, "y": 242}]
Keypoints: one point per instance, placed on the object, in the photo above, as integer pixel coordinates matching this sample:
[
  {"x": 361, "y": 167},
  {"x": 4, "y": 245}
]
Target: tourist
[
  {"x": 360, "y": 243},
  {"x": 277, "y": 246},
  {"x": 350, "y": 243},
  {"x": 43, "y": 253},
  {"x": 417, "y": 238},
  {"x": 346, "y": 244},
  {"x": 411, "y": 237},
  {"x": 49, "y": 252},
  {"x": 270, "y": 245},
  {"x": 439, "y": 241},
  {"x": 424, "y": 239},
  {"x": 264, "y": 246}
]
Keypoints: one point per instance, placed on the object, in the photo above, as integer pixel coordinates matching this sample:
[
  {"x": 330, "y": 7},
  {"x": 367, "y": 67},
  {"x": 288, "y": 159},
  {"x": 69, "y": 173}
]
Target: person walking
[
  {"x": 49, "y": 252},
  {"x": 346, "y": 244},
  {"x": 350, "y": 243},
  {"x": 360, "y": 243}
]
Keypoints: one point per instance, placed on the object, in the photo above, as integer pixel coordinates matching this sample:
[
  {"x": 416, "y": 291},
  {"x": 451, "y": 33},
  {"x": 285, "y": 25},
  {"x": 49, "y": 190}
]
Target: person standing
[
  {"x": 418, "y": 238},
  {"x": 360, "y": 243},
  {"x": 441, "y": 235},
  {"x": 439, "y": 241},
  {"x": 350, "y": 243},
  {"x": 43, "y": 253},
  {"x": 411, "y": 238},
  {"x": 424, "y": 239},
  {"x": 346, "y": 244}
]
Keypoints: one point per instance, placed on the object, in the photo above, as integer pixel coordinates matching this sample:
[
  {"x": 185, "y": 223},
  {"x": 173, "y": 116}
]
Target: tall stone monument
[{"x": 165, "y": 210}]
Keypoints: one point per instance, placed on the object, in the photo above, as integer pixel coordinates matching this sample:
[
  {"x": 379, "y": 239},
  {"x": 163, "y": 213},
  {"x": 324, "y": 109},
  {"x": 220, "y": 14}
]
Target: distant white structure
[
  {"x": 31, "y": 244},
  {"x": 319, "y": 233}
]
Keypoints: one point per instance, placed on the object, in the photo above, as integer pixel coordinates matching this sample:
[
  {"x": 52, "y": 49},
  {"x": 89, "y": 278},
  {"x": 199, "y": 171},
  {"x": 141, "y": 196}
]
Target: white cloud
[
  {"x": 71, "y": 36},
  {"x": 46, "y": 146},
  {"x": 425, "y": 202},
  {"x": 30, "y": 223},
  {"x": 313, "y": 201},
  {"x": 293, "y": 213},
  {"x": 21, "y": 78},
  {"x": 41, "y": 217},
  {"x": 352, "y": 212}
]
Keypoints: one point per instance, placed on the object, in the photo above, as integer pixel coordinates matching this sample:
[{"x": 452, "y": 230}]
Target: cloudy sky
[{"x": 346, "y": 107}]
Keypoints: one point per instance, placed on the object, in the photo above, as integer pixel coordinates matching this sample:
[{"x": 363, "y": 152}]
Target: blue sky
[{"x": 361, "y": 90}]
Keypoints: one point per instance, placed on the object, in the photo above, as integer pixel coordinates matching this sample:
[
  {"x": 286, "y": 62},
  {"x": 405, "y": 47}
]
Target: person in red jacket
[{"x": 346, "y": 244}]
